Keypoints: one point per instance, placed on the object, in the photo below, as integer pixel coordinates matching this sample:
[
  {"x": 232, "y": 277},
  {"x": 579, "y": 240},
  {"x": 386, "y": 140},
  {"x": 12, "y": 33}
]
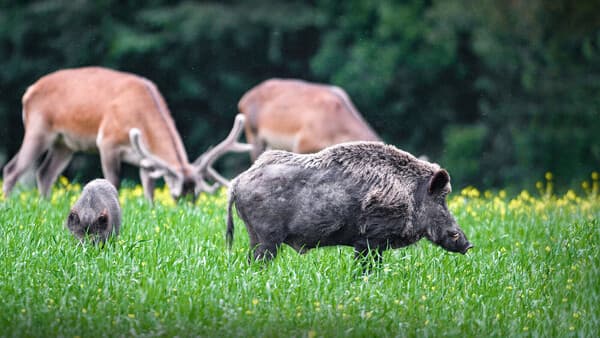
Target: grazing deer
[
  {"x": 122, "y": 116},
  {"x": 301, "y": 117}
]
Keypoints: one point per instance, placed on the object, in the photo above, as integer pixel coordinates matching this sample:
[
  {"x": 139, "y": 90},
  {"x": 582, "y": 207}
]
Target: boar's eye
[{"x": 453, "y": 234}]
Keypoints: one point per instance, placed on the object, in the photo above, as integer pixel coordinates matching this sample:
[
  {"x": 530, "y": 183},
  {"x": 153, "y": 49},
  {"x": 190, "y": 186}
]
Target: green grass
[{"x": 533, "y": 272}]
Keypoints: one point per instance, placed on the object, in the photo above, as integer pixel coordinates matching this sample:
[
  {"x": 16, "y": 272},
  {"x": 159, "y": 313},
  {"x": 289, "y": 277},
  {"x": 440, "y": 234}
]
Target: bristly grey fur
[
  {"x": 362, "y": 194},
  {"x": 97, "y": 212},
  {"x": 368, "y": 161},
  {"x": 393, "y": 173}
]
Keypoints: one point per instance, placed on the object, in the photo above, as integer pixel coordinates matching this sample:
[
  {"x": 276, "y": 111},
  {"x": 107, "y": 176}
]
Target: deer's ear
[{"x": 439, "y": 182}]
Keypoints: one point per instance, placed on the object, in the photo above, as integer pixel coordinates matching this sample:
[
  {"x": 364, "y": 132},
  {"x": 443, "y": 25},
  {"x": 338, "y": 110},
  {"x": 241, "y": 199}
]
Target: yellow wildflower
[{"x": 63, "y": 181}]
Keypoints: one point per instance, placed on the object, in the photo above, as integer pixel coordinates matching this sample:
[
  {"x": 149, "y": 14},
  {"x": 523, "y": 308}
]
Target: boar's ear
[
  {"x": 73, "y": 219},
  {"x": 103, "y": 219},
  {"x": 438, "y": 182}
]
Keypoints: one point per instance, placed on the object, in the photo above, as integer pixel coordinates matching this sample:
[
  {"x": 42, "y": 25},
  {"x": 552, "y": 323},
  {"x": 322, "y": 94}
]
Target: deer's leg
[
  {"x": 148, "y": 184},
  {"x": 35, "y": 142},
  {"x": 258, "y": 145},
  {"x": 55, "y": 162},
  {"x": 110, "y": 157},
  {"x": 8, "y": 174}
]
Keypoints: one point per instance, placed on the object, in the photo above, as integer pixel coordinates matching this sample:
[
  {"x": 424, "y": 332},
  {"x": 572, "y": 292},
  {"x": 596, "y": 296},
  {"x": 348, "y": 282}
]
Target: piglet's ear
[
  {"x": 103, "y": 219},
  {"x": 438, "y": 182},
  {"x": 73, "y": 220}
]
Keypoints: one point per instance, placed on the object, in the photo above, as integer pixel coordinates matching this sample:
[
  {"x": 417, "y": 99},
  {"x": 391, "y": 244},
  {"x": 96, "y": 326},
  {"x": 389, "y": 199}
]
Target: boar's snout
[
  {"x": 469, "y": 246},
  {"x": 454, "y": 240}
]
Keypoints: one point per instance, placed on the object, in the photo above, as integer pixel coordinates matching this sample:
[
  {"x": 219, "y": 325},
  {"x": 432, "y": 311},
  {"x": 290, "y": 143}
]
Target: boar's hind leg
[
  {"x": 264, "y": 252},
  {"x": 265, "y": 247},
  {"x": 253, "y": 243}
]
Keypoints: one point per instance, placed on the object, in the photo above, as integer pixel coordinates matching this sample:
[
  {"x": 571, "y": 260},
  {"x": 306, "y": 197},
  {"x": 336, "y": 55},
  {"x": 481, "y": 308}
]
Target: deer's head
[{"x": 193, "y": 178}]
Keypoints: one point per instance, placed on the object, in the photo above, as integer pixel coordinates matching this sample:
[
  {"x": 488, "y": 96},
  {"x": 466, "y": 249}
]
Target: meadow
[{"x": 533, "y": 272}]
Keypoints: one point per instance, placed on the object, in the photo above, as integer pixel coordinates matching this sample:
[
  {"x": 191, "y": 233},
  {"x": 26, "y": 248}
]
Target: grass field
[{"x": 534, "y": 271}]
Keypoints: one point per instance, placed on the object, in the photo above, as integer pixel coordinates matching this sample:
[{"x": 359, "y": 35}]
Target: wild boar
[
  {"x": 97, "y": 212},
  {"x": 367, "y": 195}
]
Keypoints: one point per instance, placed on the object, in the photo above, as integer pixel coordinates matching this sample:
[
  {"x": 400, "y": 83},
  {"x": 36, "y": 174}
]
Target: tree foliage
[{"x": 499, "y": 92}]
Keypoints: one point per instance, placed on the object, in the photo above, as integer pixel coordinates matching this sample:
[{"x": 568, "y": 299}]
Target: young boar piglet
[
  {"x": 367, "y": 195},
  {"x": 97, "y": 213}
]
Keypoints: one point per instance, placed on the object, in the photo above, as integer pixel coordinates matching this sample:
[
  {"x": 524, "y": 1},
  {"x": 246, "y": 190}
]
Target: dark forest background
[{"x": 497, "y": 91}]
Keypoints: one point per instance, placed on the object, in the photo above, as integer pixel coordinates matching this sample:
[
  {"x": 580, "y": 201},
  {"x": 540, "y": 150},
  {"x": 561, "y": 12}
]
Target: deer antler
[
  {"x": 154, "y": 164},
  {"x": 203, "y": 164}
]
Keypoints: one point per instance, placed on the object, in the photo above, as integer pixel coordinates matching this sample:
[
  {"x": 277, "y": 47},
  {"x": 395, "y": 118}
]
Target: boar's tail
[{"x": 230, "y": 225}]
